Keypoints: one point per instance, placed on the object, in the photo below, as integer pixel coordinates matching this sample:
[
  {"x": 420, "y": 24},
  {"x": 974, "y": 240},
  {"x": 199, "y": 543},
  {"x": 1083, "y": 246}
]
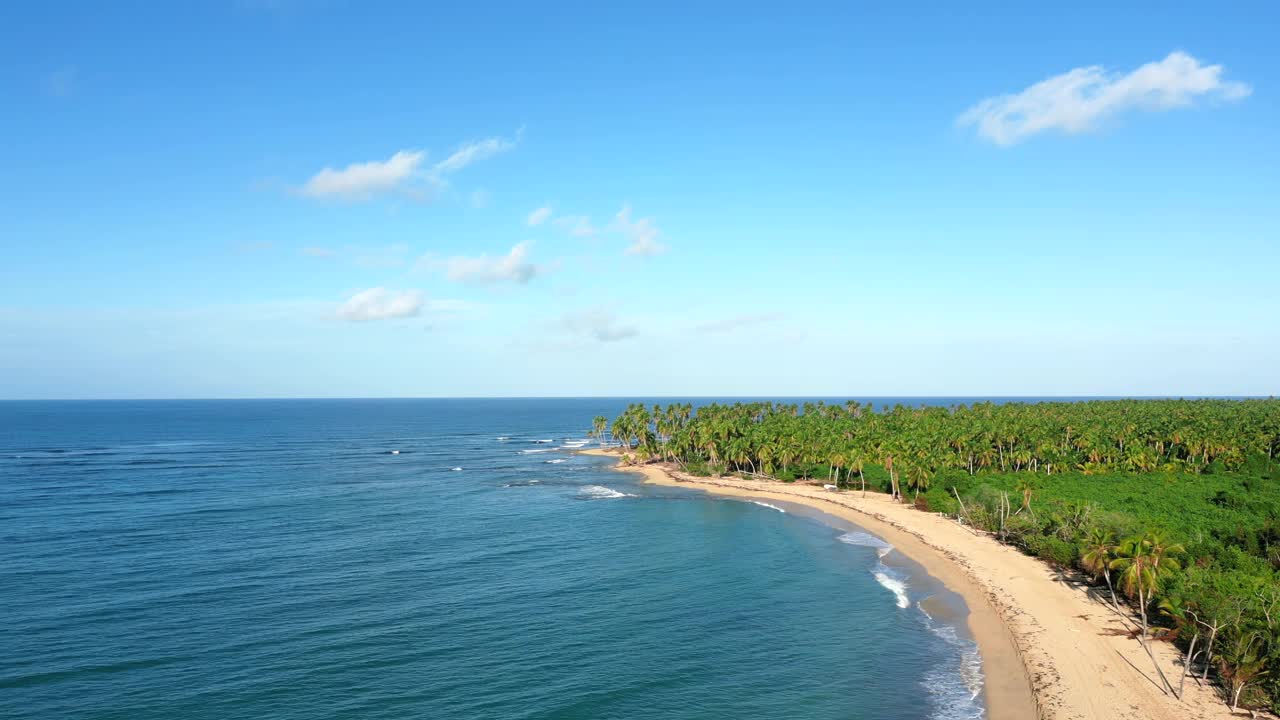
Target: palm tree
[
  {"x": 855, "y": 463},
  {"x": 1026, "y": 486},
  {"x": 1096, "y": 558},
  {"x": 1144, "y": 563},
  {"x": 598, "y": 426},
  {"x": 918, "y": 477}
]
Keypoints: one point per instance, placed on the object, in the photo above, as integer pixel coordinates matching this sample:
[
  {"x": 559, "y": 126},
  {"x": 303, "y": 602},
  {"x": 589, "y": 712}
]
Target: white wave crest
[
  {"x": 534, "y": 452},
  {"x": 955, "y": 696},
  {"x": 894, "y": 583},
  {"x": 765, "y": 504},
  {"x": 600, "y": 492},
  {"x": 862, "y": 539},
  {"x": 557, "y": 461}
]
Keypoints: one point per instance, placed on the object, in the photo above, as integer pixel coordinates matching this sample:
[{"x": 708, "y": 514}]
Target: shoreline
[
  {"x": 1049, "y": 649},
  {"x": 1005, "y": 685}
]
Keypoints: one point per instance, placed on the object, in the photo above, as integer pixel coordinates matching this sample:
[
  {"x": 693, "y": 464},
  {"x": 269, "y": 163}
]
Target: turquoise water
[{"x": 396, "y": 559}]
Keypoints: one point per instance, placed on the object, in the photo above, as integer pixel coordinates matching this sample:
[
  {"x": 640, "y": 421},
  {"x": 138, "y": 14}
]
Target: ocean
[{"x": 448, "y": 559}]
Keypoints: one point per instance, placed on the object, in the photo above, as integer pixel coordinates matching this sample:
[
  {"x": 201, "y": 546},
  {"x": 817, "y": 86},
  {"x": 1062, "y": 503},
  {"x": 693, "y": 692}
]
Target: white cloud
[
  {"x": 318, "y": 252},
  {"x": 577, "y": 225},
  {"x": 642, "y": 233},
  {"x": 381, "y": 304},
  {"x": 361, "y": 181},
  {"x": 1076, "y": 101},
  {"x": 514, "y": 267},
  {"x": 539, "y": 216},
  {"x": 472, "y": 152},
  {"x": 403, "y": 172},
  {"x": 599, "y": 324}
]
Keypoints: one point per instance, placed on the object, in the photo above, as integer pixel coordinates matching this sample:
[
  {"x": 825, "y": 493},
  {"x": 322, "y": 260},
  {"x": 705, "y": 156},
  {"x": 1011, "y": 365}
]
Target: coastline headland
[{"x": 1050, "y": 649}]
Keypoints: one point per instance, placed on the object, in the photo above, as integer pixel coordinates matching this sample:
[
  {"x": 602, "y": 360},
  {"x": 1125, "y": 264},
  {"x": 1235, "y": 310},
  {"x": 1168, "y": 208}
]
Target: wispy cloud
[
  {"x": 405, "y": 173},
  {"x": 598, "y": 324},
  {"x": 381, "y": 304},
  {"x": 514, "y": 267},
  {"x": 1079, "y": 100},
  {"x": 318, "y": 252},
  {"x": 362, "y": 181},
  {"x": 539, "y": 216},
  {"x": 737, "y": 321},
  {"x": 642, "y": 234},
  {"x": 472, "y": 152},
  {"x": 577, "y": 225}
]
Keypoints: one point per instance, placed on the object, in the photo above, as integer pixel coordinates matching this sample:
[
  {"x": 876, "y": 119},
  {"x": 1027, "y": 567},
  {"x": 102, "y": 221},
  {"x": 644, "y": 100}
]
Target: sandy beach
[{"x": 1050, "y": 648}]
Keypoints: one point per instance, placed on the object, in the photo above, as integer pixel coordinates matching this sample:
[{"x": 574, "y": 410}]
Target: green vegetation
[{"x": 1173, "y": 505}]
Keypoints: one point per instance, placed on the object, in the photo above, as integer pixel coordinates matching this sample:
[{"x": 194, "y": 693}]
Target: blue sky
[{"x": 275, "y": 198}]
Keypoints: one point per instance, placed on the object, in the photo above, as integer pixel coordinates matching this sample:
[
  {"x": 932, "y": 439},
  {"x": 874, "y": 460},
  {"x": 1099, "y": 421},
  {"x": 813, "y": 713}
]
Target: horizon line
[{"x": 850, "y": 396}]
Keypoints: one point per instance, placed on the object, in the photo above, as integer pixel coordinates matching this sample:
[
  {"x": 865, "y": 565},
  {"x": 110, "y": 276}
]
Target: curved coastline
[
  {"x": 1006, "y": 686},
  {"x": 1048, "y": 649}
]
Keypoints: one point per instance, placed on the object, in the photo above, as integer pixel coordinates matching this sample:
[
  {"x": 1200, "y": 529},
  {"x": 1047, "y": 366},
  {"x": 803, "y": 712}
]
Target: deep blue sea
[{"x": 446, "y": 559}]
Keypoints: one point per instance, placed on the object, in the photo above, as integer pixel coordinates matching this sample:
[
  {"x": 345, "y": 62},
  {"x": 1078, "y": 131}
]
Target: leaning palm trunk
[
  {"x": 1186, "y": 663},
  {"x": 1146, "y": 645},
  {"x": 1208, "y": 653},
  {"x": 1106, "y": 573}
]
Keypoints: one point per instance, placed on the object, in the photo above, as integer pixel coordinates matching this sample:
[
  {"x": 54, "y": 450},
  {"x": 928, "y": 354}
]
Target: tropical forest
[{"x": 1170, "y": 508}]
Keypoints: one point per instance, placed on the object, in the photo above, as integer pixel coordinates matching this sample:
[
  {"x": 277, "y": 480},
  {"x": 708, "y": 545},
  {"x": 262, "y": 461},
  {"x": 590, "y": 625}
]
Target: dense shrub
[{"x": 1052, "y": 549}]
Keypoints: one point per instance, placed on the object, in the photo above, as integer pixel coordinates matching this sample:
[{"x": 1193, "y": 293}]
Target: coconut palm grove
[{"x": 1169, "y": 506}]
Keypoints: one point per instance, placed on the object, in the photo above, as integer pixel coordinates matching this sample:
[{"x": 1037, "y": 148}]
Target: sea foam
[
  {"x": 955, "y": 697},
  {"x": 889, "y": 578},
  {"x": 767, "y": 505},
  {"x": 600, "y": 492},
  {"x": 893, "y": 581},
  {"x": 862, "y": 539}
]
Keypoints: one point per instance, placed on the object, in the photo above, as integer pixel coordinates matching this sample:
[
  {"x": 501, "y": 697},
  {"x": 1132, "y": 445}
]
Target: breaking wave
[
  {"x": 893, "y": 581},
  {"x": 600, "y": 492},
  {"x": 956, "y": 696},
  {"x": 862, "y": 539}
]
